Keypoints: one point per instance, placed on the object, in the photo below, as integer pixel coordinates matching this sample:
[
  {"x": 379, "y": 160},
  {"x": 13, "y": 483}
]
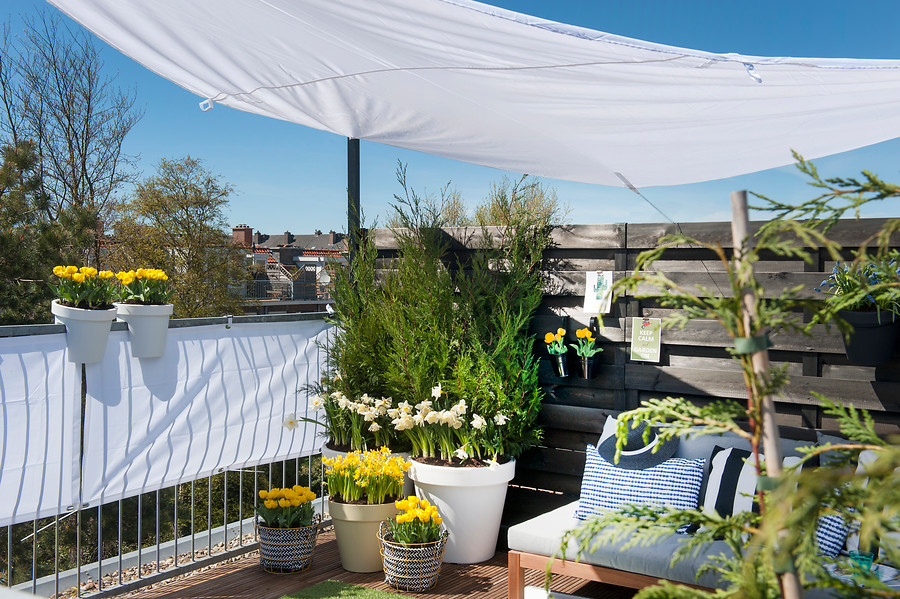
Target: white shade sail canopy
[{"x": 480, "y": 84}]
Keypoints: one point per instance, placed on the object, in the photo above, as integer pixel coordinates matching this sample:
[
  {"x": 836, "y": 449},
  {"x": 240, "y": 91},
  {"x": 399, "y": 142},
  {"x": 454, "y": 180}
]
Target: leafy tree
[
  {"x": 30, "y": 245},
  {"x": 175, "y": 221},
  {"x": 53, "y": 92},
  {"x": 509, "y": 200}
]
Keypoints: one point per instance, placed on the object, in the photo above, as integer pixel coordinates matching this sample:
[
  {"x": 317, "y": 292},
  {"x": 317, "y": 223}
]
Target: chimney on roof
[
  {"x": 332, "y": 237},
  {"x": 287, "y": 237},
  {"x": 242, "y": 235}
]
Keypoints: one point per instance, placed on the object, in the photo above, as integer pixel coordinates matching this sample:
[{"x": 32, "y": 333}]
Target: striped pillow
[
  {"x": 730, "y": 486},
  {"x": 675, "y": 482}
]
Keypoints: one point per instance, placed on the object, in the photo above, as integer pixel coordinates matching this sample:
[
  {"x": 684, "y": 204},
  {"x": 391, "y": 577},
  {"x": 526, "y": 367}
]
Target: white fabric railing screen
[
  {"x": 214, "y": 401},
  {"x": 39, "y": 405}
]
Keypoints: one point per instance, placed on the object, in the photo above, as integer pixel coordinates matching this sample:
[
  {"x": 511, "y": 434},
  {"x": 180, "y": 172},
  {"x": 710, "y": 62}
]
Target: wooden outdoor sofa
[{"x": 533, "y": 543}]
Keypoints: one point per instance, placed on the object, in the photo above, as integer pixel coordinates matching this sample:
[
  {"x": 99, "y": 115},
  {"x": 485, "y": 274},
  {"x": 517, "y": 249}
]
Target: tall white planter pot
[
  {"x": 148, "y": 325},
  {"x": 87, "y": 331},
  {"x": 470, "y": 500}
]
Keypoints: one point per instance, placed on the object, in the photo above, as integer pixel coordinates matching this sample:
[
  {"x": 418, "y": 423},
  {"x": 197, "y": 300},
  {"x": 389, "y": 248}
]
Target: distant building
[{"x": 291, "y": 272}]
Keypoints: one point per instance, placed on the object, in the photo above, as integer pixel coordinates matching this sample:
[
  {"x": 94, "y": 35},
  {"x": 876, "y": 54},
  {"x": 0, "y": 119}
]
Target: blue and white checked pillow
[{"x": 675, "y": 483}]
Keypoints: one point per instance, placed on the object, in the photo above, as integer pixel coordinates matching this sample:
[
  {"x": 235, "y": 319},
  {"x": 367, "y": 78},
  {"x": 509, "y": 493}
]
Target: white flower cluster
[
  {"x": 368, "y": 407},
  {"x": 403, "y": 417}
]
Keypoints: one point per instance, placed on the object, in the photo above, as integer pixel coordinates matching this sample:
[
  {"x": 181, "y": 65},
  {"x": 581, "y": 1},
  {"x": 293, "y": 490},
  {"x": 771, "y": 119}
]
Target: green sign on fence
[{"x": 645, "y": 336}]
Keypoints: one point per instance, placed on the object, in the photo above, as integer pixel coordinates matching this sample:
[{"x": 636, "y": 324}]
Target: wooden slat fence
[{"x": 694, "y": 361}]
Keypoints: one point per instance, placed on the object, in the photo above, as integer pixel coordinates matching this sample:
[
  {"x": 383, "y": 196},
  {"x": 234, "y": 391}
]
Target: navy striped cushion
[
  {"x": 730, "y": 484},
  {"x": 675, "y": 482},
  {"x": 730, "y": 488}
]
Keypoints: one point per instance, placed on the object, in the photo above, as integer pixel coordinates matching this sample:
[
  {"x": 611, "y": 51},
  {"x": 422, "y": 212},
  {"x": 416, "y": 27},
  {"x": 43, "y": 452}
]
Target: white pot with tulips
[{"x": 457, "y": 467}]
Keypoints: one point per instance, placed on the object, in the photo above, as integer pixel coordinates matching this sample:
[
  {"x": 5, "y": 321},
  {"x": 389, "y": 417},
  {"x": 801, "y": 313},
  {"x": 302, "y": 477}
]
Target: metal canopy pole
[{"x": 353, "y": 209}]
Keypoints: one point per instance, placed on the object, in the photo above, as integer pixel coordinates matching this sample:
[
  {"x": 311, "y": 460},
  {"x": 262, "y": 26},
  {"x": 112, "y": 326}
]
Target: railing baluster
[
  {"x": 119, "y": 525},
  {"x": 157, "y": 532},
  {"x": 175, "y": 527},
  {"x": 241, "y": 507},
  {"x": 99, "y": 548},
  {"x": 55, "y": 555},
  {"x": 225, "y": 510},
  {"x": 78, "y": 551},
  {"x": 193, "y": 535},
  {"x": 209, "y": 516},
  {"x": 140, "y": 541},
  {"x": 34, "y": 573}
]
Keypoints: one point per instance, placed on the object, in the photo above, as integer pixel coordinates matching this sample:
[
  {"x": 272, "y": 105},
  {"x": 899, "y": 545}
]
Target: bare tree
[{"x": 55, "y": 94}]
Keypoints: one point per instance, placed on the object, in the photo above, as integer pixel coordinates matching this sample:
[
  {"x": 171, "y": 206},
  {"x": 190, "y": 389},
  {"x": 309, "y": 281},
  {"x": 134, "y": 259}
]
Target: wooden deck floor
[{"x": 244, "y": 578}]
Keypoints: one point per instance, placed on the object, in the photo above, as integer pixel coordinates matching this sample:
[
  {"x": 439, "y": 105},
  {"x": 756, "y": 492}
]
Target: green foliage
[
  {"x": 30, "y": 244},
  {"x": 770, "y": 545},
  {"x": 441, "y": 333},
  {"x": 176, "y": 221},
  {"x": 333, "y": 589}
]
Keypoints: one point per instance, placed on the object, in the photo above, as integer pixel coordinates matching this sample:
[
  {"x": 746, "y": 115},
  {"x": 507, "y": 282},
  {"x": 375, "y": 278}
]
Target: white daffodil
[
  {"x": 460, "y": 407},
  {"x": 343, "y": 403},
  {"x": 433, "y": 417},
  {"x": 337, "y": 377},
  {"x": 374, "y": 427},
  {"x": 290, "y": 422},
  {"x": 500, "y": 419},
  {"x": 436, "y": 391},
  {"x": 424, "y": 406},
  {"x": 461, "y": 454},
  {"x": 317, "y": 402},
  {"x": 337, "y": 395},
  {"x": 365, "y": 398},
  {"x": 493, "y": 464},
  {"x": 404, "y": 407},
  {"x": 393, "y": 413},
  {"x": 370, "y": 416},
  {"x": 478, "y": 422}
]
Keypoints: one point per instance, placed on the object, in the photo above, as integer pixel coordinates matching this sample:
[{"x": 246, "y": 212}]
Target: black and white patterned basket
[
  {"x": 285, "y": 550},
  {"x": 411, "y": 567}
]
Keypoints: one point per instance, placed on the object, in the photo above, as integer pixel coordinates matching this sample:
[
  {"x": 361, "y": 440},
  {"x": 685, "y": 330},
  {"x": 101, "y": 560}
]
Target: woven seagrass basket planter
[
  {"x": 286, "y": 550},
  {"x": 411, "y": 567}
]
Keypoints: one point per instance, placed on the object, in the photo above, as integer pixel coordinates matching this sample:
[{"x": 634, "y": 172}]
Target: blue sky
[{"x": 288, "y": 177}]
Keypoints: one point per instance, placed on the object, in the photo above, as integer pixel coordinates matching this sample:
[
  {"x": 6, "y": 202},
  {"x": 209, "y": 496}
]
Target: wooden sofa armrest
[{"x": 519, "y": 561}]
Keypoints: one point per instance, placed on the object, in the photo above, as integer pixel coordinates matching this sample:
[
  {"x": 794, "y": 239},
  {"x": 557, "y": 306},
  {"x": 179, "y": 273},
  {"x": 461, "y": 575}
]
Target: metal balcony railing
[
  {"x": 269, "y": 289},
  {"x": 121, "y": 546},
  {"x": 109, "y": 549}
]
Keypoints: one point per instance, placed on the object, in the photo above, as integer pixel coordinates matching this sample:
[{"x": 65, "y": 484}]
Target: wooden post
[{"x": 790, "y": 584}]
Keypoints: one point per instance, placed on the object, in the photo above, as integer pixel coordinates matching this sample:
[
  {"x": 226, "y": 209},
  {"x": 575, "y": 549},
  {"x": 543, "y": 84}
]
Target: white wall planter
[
  {"x": 148, "y": 326},
  {"x": 87, "y": 331},
  {"x": 470, "y": 500}
]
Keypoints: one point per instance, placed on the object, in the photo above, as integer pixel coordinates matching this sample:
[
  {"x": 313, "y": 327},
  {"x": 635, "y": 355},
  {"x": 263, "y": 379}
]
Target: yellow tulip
[
  {"x": 105, "y": 274},
  {"x": 271, "y": 504},
  {"x": 71, "y": 270},
  {"x": 284, "y": 503},
  {"x": 549, "y": 338},
  {"x": 560, "y": 332},
  {"x": 581, "y": 333},
  {"x": 59, "y": 271},
  {"x": 263, "y": 494},
  {"x": 78, "y": 277}
]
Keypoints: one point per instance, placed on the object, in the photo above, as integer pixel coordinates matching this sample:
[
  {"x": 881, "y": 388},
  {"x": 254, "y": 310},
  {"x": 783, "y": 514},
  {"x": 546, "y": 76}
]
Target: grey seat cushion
[{"x": 542, "y": 535}]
